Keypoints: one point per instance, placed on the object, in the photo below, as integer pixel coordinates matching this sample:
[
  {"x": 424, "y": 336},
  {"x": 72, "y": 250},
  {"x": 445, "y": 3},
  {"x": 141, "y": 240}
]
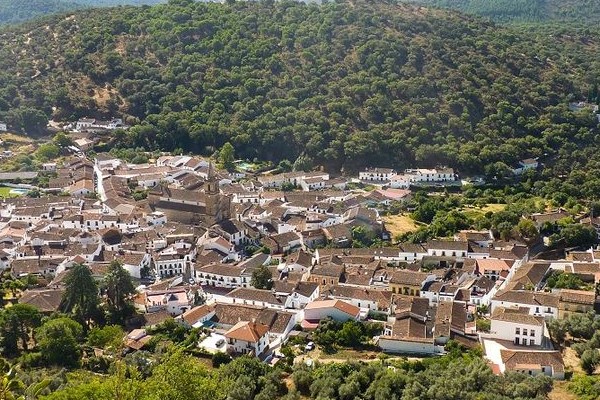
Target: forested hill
[
  {"x": 572, "y": 11},
  {"x": 343, "y": 84},
  {"x": 15, "y": 11}
]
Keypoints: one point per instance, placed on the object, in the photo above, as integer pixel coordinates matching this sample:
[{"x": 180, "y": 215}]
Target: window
[
  {"x": 532, "y": 333},
  {"x": 517, "y": 331},
  {"x": 524, "y": 332}
]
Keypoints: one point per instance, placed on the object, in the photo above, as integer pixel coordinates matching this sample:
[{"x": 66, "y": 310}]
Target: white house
[
  {"x": 247, "y": 338},
  {"x": 492, "y": 268},
  {"x": 135, "y": 262},
  {"x": 335, "y": 309},
  {"x": 220, "y": 275},
  {"x": 376, "y": 174},
  {"x": 298, "y": 295},
  {"x": 448, "y": 248},
  {"x": 197, "y": 316},
  {"x": 526, "y": 165},
  {"x": 518, "y": 326},
  {"x": 156, "y": 218},
  {"x": 256, "y": 297},
  {"x": 538, "y": 303},
  {"x": 175, "y": 301},
  {"x": 174, "y": 260},
  {"x": 430, "y": 175}
]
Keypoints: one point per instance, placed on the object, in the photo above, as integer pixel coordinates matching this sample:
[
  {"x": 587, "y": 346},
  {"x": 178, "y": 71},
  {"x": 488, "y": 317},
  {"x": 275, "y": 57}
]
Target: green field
[{"x": 5, "y": 192}]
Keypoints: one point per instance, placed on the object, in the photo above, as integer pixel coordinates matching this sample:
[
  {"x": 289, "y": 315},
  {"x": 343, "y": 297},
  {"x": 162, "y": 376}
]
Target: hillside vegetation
[
  {"x": 343, "y": 85},
  {"x": 15, "y": 11},
  {"x": 574, "y": 11}
]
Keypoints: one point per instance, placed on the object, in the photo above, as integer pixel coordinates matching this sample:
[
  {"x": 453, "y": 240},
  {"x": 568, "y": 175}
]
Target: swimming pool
[{"x": 19, "y": 192}]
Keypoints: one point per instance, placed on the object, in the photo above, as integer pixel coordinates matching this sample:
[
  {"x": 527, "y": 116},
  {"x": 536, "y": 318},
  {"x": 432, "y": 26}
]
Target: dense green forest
[
  {"x": 171, "y": 374},
  {"x": 15, "y": 11},
  {"x": 572, "y": 11},
  {"x": 343, "y": 85}
]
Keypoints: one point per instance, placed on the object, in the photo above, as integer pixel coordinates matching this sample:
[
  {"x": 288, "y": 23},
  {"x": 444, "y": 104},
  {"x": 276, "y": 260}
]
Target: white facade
[
  {"x": 317, "y": 314},
  {"x": 403, "y": 346},
  {"x": 135, "y": 270},
  {"x": 243, "y": 347},
  {"x": 376, "y": 175},
  {"x": 517, "y": 332}
]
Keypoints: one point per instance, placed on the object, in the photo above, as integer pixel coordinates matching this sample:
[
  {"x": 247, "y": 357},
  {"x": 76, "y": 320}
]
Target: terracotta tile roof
[
  {"x": 192, "y": 316},
  {"x": 381, "y": 297},
  {"x": 538, "y": 358},
  {"x": 404, "y": 277},
  {"x": 45, "y": 300},
  {"x": 221, "y": 269},
  {"x": 528, "y": 297},
  {"x": 251, "y": 294},
  {"x": 531, "y": 273},
  {"x": 448, "y": 245},
  {"x": 410, "y": 305},
  {"x": 338, "y": 304},
  {"x": 327, "y": 270},
  {"x": 520, "y": 316},
  {"x": 492, "y": 264},
  {"x": 409, "y": 328},
  {"x": 577, "y": 296},
  {"x": 247, "y": 331}
]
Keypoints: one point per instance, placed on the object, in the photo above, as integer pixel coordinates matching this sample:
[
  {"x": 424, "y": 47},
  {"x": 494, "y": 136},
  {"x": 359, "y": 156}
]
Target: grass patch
[
  {"x": 350, "y": 354},
  {"x": 493, "y": 207},
  {"x": 14, "y": 138},
  {"x": 5, "y": 192},
  {"x": 399, "y": 224}
]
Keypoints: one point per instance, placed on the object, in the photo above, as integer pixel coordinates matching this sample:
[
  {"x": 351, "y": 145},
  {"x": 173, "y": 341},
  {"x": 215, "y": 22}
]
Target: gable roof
[
  {"x": 46, "y": 300},
  {"x": 577, "y": 296},
  {"x": 406, "y": 277},
  {"x": 246, "y": 331},
  {"x": 528, "y": 297},
  {"x": 193, "y": 315},
  {"x": 518, "y": 316},
  {"x": 533, "y": 358},
  {"x": 342, "y": 306}
]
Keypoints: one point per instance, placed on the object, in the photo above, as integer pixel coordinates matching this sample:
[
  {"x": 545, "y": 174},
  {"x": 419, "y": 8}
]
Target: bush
[
  {"x": 219, "y": 359},
  {"x": 483, "y": 325},
  {"x": 31, "y": 360}
]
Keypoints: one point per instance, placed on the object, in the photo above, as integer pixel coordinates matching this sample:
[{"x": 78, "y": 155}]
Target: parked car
[
  {"x": 220, "y": 342},
  {"x": 310, "y": 346}
]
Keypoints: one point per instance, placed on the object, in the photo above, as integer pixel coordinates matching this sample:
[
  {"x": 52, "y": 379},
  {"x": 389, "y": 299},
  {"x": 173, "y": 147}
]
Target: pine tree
[
  {"x": 119, "y": 289},
  {"x": 81, "y": 295}
]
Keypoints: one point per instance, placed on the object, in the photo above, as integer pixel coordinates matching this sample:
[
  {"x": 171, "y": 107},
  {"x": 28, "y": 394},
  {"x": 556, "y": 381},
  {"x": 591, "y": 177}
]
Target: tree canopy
[
  {"x": 81, "y": 297},
  {"x": 333, "y": 85}
]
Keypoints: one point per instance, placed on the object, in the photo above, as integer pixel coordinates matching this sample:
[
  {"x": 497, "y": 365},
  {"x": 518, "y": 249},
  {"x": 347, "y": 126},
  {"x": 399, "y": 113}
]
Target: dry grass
[
  {"x": 493, "y": 207},
  {"x": 399, "y": 224},
  {"x": 560, "y": 392},
  {"x": 14, "y": 138},
  {"x": 571, "y": 361}
]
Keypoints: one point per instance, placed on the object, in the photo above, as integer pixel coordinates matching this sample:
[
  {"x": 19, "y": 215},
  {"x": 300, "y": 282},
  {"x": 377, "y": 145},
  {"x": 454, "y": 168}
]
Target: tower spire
[{"x": 211, "y": 170}]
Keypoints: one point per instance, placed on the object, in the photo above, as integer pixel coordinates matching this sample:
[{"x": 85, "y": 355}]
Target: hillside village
[{"x": 193, "y": 242}]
